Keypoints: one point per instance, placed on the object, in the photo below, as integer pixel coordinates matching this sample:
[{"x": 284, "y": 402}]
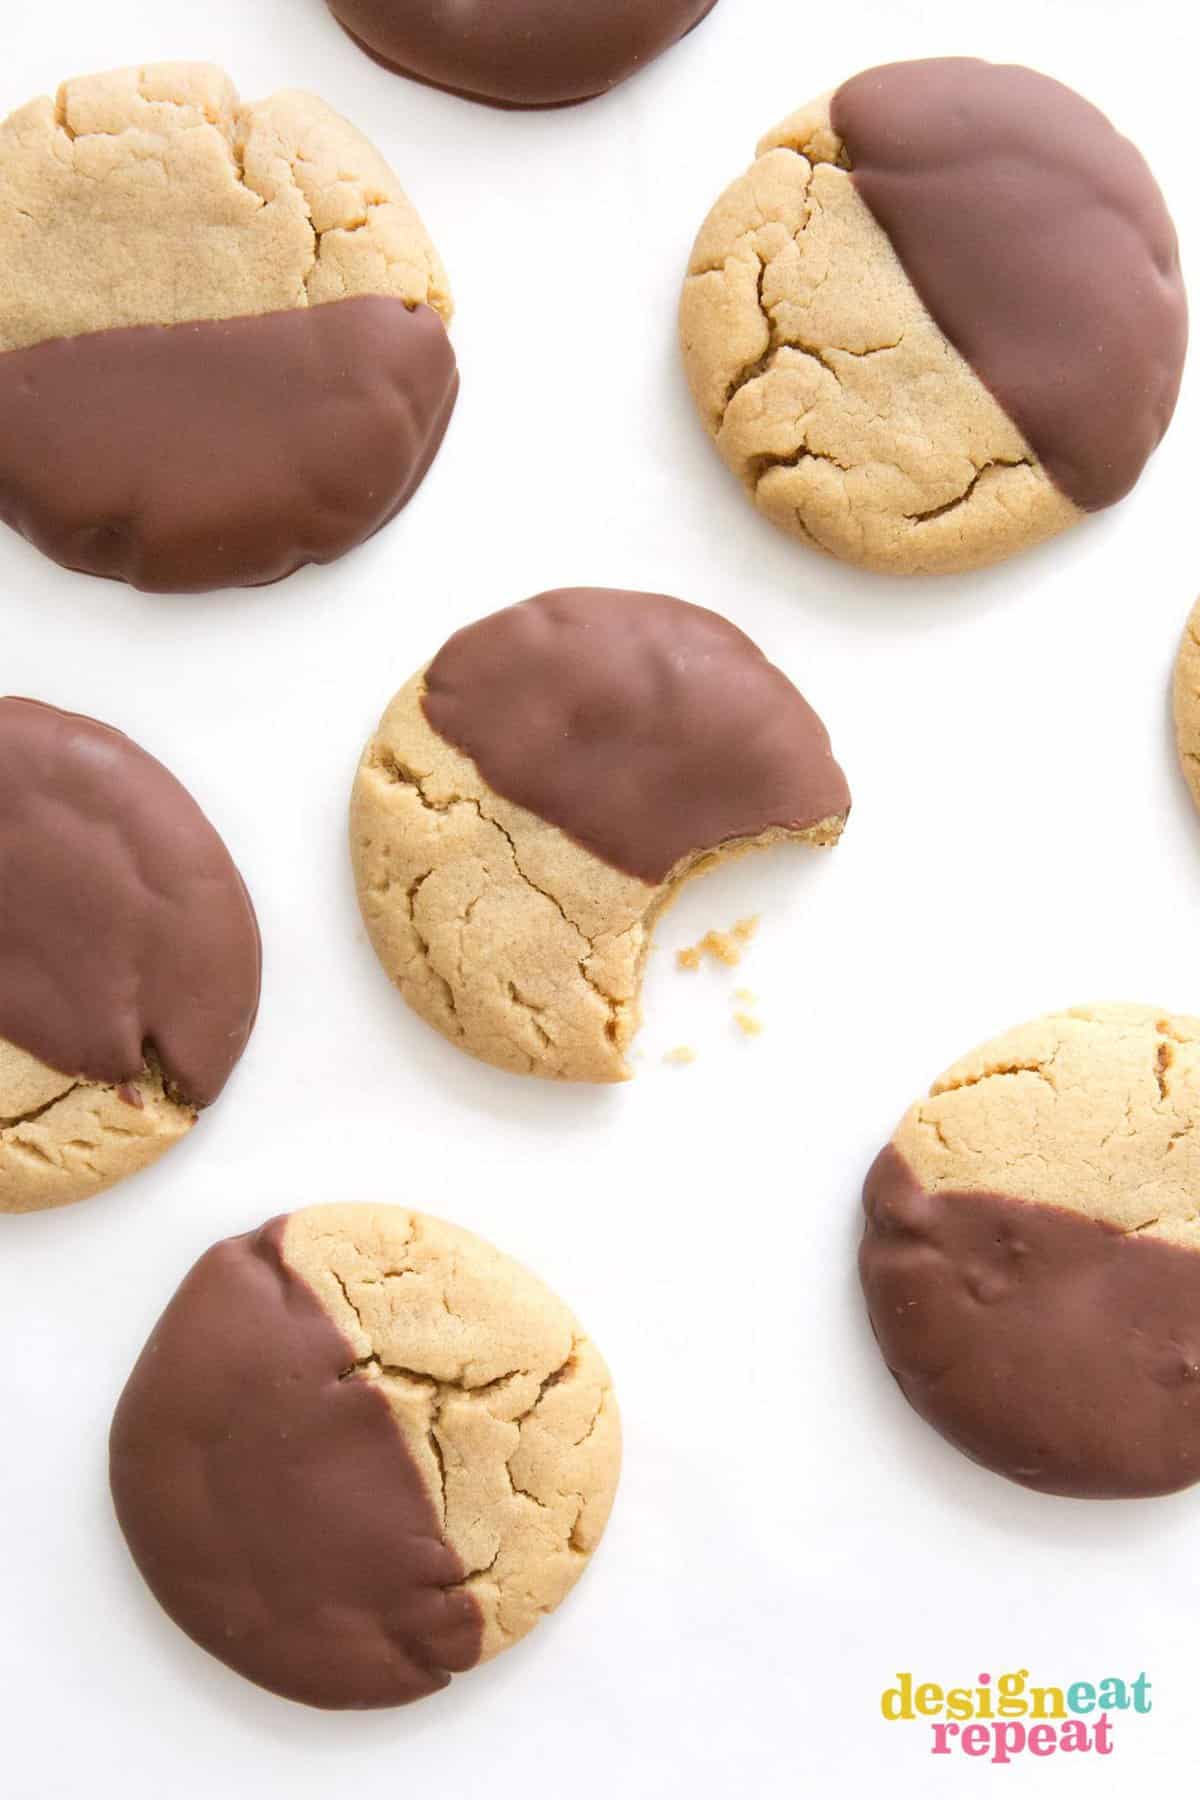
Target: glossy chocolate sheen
[
  {"x": 1048, "y": 1346},
  {"x": 646, "y": 729},
  {"x": 1039, "y": 242},
  {"x": 124, "y": 924},
  {"x": 223, "y": 453},
  {"x": 268, "y": 1497},
  {"x": 520, "y": 53}
]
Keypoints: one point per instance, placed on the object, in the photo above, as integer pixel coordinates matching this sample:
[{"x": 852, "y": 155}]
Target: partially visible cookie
[
  {"x": 361, "y": 1452},
  {"x": 1031, "y": 1259},
  {"x": 901, "y": 325},
  {"x": 1187, "y": 702},
  {"x": 222, "y": 331},
  {"x": 129, "y": 958},
  {"x": 532, "y": 801},
  {"x": 519, "y": 53}
]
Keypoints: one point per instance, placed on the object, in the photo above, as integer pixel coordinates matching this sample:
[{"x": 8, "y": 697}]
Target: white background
[{"x": 787, "y": 1535}]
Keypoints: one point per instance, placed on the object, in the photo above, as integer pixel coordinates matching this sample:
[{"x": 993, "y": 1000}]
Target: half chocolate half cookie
[
  {"x": 1031, "y": 1257},
  {"x": 533, "y": 800},
  {"x": 939, "y": 319},
  {"x": 362, "y": 1452},
  {"x": 223, "y": 348}
]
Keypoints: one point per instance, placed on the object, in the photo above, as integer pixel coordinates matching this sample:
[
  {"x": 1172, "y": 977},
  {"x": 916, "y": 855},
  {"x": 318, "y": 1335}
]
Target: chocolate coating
[
  {"x": 124, "y": 923},
  {"x": 646, "y": 729},
  {"x": 224, "y": 453},
  {"x": 1039, "y": 242},
  {"x": 1047, "y": 1346},
  {"x": 522, "y": 53},
  {"x": 268, "y": 1497}
]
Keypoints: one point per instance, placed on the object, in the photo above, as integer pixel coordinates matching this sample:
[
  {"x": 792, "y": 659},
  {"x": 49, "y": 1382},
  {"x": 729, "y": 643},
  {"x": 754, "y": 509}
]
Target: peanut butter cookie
[
  {"x": 532, "y": 801},
  {"x": 222, "y": 331},
  {"x": 1031, "y": 1259},
  {"x": 902, "y": 326},
  {"x": 361, "y": 1452}
]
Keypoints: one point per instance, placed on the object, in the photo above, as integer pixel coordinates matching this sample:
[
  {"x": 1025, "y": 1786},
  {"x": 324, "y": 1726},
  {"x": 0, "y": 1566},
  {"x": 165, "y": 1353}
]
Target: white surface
[{"x": 788, "y": 1534}]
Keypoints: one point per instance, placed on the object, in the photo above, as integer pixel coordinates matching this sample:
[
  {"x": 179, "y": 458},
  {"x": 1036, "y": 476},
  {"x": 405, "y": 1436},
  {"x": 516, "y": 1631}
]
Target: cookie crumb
[
  {"x": 682, "y": 1053},
  {"x": 746, "y": 996},
  {"x": 723, "y": 946},
  {"x": 747, "y": 1023}
]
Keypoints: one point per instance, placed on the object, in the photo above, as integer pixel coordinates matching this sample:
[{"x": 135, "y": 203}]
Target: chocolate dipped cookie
[
  {"x": 223, "y": 348},
  {"x": 519, "y": 53},
  {"x": 939, "y": 319},
  {"x": 129, "y": 958},
  {"x": 362, "y": 1452},
  {"x": 1031, "y": 1257},
  {"x": 532, "y": 801}
]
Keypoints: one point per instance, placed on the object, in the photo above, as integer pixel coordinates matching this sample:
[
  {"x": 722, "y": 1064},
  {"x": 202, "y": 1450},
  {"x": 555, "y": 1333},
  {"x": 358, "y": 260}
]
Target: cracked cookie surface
[
  {"x": 129, "y": 958},
  {"x": 608, "y": 746},
  {"x": 904, "y": 394},
  {"x": 1031, "y": 1259},
  {"x": 149, "y": 217},
  {"x": 363, "y": 1451}
]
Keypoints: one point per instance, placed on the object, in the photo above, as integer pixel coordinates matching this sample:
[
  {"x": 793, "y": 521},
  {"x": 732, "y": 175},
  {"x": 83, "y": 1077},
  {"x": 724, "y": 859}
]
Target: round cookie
[
  {"x": 901, "y": 327},
  {"x": 1031, "y": 1258},
  {"x": 363, "y": 1451},
  {"x": 129, "y": 958},
  {"x": 532, "y": 801},
  {"x": 519, "y": 53},
  {"x": 1187, "y": 702},
  {"x": 223, "y": 351}
]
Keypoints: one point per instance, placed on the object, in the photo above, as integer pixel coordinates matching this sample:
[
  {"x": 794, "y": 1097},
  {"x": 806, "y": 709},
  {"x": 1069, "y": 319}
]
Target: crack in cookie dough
[
  {"x": 937, "y": 512},
  {"x": 828, "y": 388},
  {"x": 37, "y": 1112}
]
